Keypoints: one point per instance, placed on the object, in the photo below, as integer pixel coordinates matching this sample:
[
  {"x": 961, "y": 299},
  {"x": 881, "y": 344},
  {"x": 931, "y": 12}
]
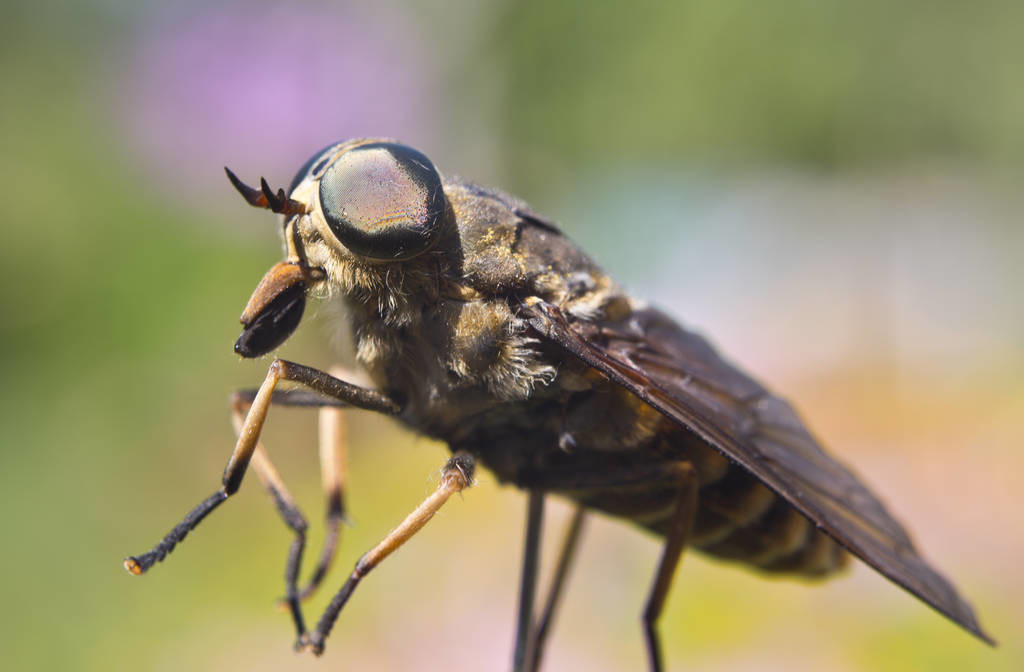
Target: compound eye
[{"x": 383, "y": 201}]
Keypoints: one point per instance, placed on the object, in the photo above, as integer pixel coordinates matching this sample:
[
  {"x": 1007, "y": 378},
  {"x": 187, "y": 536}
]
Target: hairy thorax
[{"x": 441, "y": 332}]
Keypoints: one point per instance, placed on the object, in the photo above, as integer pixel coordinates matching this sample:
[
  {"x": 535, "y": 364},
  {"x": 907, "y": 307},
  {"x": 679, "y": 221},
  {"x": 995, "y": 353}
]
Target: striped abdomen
[{"x": 737, "y": 518}]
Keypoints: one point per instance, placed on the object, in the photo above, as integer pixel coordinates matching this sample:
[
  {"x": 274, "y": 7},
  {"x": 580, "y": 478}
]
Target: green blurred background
[{"x": 831, "y": 189}]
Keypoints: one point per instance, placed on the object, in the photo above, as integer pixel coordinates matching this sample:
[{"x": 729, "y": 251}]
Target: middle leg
[
  {"x": 456, "y": 476},
  {"x": 547, "y": 614},
  {"x": 525, "y": 632},
  {"x": 594, "y": 487},
  {"x": 672, "y": 552},
  {"x": 333, "y": 470}
]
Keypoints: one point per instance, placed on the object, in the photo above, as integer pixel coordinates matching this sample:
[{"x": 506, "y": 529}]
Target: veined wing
[{"x": 682, "y": 376}]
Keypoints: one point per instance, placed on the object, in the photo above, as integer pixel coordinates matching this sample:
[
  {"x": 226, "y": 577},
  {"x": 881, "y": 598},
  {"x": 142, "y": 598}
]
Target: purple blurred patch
[{"x": 262, "y": 88}]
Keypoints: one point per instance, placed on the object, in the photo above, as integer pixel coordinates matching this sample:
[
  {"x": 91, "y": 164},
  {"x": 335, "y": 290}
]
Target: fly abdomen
[
  {"x": 734, "y": 501},
  {"x": 739, "y": 519},
  {"x": 819, "y": 555}
]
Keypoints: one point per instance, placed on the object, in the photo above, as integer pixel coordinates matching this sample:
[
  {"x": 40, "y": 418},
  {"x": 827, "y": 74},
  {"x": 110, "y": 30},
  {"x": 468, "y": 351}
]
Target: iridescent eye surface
[{"x": 383, "y": 201}]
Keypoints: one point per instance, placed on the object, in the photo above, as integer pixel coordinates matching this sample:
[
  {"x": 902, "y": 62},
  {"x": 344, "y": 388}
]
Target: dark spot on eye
[
  {"x": 318, "y": 167},
  {"x": 308, "y": 168}
]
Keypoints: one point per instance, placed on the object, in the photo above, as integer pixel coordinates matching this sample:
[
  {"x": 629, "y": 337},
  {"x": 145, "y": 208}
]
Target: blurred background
[{"x": 829, "y": 189}]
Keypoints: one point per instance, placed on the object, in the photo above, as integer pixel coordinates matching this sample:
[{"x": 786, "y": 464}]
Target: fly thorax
[{"x": 488, "y": 348}]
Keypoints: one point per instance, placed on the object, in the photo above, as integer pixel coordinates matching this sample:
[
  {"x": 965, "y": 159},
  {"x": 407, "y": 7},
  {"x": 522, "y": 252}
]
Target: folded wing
[{"x": 682, "y": 376}]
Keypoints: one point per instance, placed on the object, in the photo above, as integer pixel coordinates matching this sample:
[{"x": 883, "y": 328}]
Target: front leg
[
  {"x": 333, "y": 466},
  {"x": 248, "y": 438},
  {"x": 317, "y": 380}
]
